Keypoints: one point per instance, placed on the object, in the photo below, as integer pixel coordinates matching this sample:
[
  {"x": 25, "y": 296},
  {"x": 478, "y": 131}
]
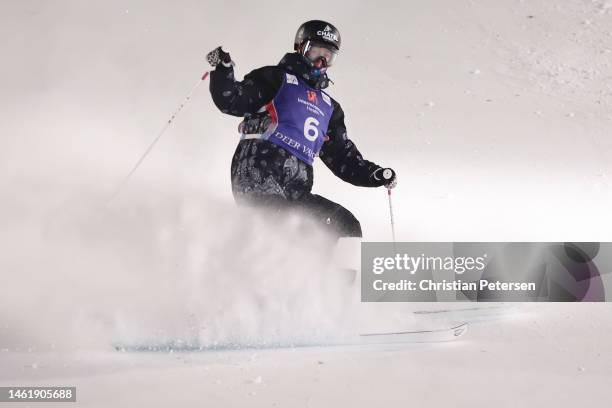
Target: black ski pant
[{"x": 265, "y": 175}]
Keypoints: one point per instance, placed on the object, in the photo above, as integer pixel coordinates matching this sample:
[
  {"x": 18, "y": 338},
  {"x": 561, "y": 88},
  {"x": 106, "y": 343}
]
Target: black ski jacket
[{"x": 240, "y": 98}]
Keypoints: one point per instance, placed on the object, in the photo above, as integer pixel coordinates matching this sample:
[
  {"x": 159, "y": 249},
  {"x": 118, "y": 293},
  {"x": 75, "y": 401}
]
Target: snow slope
[
  {"x": 495, "y": 114},
  {"x": 558, "y": 357}
]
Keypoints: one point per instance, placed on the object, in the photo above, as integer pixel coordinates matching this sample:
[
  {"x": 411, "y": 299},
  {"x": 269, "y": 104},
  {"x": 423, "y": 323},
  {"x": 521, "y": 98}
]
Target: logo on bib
[
  {"x": 312, "y": 96},
  {"x": 292, "y": 79}
]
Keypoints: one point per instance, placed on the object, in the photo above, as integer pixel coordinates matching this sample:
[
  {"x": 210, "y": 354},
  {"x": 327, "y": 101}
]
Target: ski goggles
[{"x": 315, "y": 51}]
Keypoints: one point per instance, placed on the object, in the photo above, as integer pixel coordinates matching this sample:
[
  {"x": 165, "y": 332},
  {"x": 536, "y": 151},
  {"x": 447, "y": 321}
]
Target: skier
[{"x": 288, "y": 121}]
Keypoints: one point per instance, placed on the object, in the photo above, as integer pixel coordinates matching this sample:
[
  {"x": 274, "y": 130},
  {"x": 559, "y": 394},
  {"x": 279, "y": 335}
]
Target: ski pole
[
  {"x": 159, "y": 135},
  {"x": 391, "y": 214}
]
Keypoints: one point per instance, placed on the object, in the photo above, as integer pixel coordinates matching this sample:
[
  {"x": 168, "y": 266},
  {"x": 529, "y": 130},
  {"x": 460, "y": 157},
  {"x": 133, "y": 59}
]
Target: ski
[
  {"x": 416, "y": 336},
  {"x": 464, "y": 309},
  {"x": 471, "y": 314},
  {"x": 400, "y": 337}
]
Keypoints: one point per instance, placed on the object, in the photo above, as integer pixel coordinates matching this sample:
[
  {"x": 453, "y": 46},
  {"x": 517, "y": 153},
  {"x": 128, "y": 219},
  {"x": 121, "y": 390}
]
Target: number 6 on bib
[{"x": 311, "y": 132}]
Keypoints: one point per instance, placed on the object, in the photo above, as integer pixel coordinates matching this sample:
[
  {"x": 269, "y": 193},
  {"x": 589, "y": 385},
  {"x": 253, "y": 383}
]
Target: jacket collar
[{"x": 298, "y": 65}]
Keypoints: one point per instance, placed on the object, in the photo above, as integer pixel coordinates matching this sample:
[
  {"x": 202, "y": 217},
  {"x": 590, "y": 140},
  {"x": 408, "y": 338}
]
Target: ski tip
[{"x": 460, "y": 330}]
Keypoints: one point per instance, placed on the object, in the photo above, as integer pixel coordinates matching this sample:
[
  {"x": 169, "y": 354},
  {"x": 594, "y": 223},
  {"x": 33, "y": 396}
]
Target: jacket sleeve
[
  {"x": 238, "y": 98},
  {"x": 341, "y": 156}
]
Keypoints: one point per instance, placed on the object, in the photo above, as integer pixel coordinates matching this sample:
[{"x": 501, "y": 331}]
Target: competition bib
[{"x": 300, "y": 117}]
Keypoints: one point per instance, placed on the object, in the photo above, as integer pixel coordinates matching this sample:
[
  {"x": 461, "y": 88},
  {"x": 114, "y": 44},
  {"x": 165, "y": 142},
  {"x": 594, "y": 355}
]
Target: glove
[
  {"x": 384, "y": 177},
  {"x": 218, "y": 56}
]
